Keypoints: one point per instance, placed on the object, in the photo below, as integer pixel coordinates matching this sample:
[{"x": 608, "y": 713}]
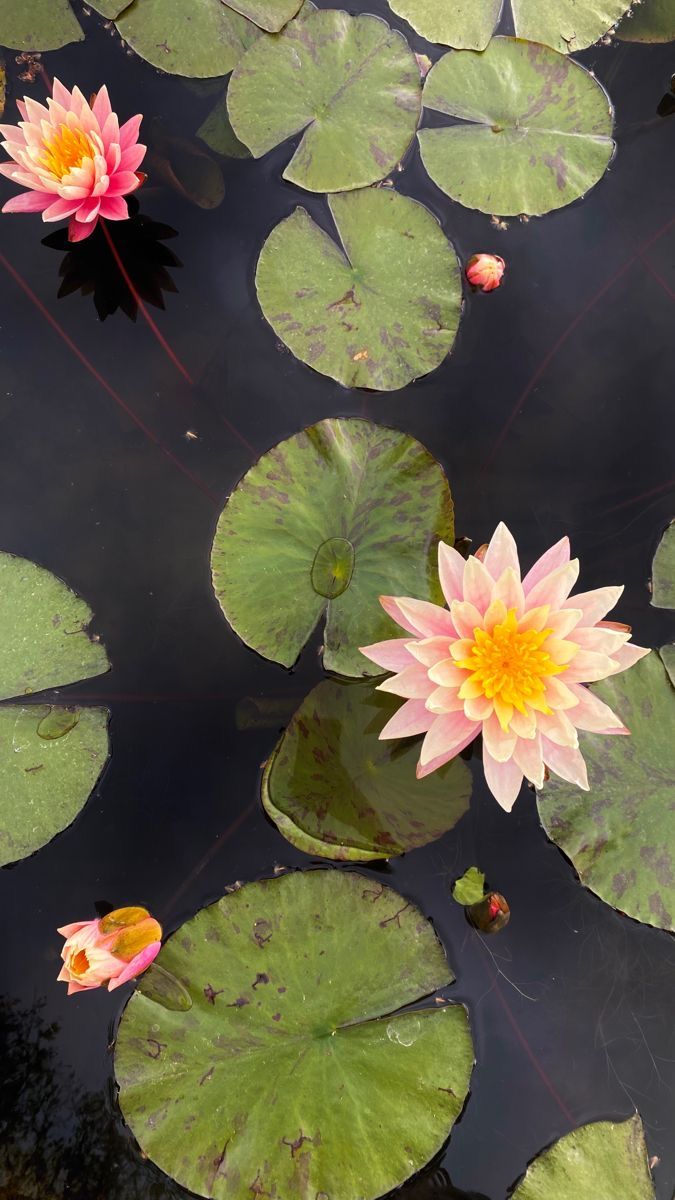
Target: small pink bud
[
  {"x": 485, "y": 271},
  {"x": 108, "y": 951}
]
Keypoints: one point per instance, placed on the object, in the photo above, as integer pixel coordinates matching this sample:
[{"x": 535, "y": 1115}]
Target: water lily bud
[
  {"x": 485, "y": 271},
  {"x": 490, "y": 914},
  {"x": 109, "y": 951}
]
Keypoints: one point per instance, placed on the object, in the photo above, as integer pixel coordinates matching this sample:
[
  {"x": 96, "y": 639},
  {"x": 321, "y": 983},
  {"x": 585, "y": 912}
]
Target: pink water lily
[
  {"x": 508, "y": 658},
  {"x": 74, "y": 158},
  {"x": 112, "y": 950}
]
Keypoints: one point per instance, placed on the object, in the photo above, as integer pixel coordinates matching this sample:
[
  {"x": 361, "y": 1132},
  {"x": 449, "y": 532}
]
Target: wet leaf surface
[
  {"x": 333, "y": 789},
  {"x": 602, "y": 1160},
  {"x": 350, "y": 84},
  {"x": 535, "y": 133},
  {"x": 38, "y": 25},
  {"x": 293, "y": 1071},
  {"x": 374, "y": 487},
  {"x": 651, "y": 21},
  {"x": 663, "y": 571},
  {"x": 620, "y": 836},
  {"x": 377, "y": 312},
  {"x": 200, "y": 39},
  {"x": 464, "y": 24},
  {"x": 470, "y": 889},
  {"x": 564, "y": 24}
]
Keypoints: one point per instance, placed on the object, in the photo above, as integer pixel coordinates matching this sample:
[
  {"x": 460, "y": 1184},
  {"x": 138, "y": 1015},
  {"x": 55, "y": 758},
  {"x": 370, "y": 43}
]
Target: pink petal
[
  {"x": 67, "y": 931},
  {"x": 527, "y": 756},
  {"x": 558, "y": 728},
  {"x": 450, "y": 572},
  {"x": 392, "y": 608},
  {"x": 554, "y": 588},
  {"x": 588, "y": 667},
  {"x": 131, "y": 159},
  {"x": 447, "y": 675},
  {"x": 418, "y": 616},
  {"x": 61, "y": 94},
  {"x": 509, "y": 590},
  {"x": 442, "y": 759},
  {"x": 563, "y": 621},
  {"x": 499, "y": 743},
  {"x": 524, "y": 725},
  {"x": 137, "y": 964},
  {"x": 412, "y": 718},
  {"x": 114, "y": 208},
  {"x": 78, "y": 987},
  {"x": 502, "y": 553},
  {"x": 122, "y": 183},
  {"x": 479, "y": 708},
  {"x": 444, "y": 700},
  {"x": 391, "y": 655},
  {"x": 503, "y": 779},
  {"x": 411, "y": 683},
  {"x": 603, "y": 641},
  {"x": 558, "y": 695},
  {"x": 592, "y": 714},
  {"x": 594, "y": 605},
  {"x": 129, "y": 132},
  {"x": 78, "y": 231},
  {"x": 28, "y": 202},
  {"x": 556, "y": 556},
  {"x": 626, "y": 657},
  {"x": 430, "y": 651},
  {"x": 478, "y": 583},
  {"x": 466, "y": 618},
  {"x": 567, "y": 762},
  {"x": 35, "y": 112},
  {"x": 447, "y": 736},
  {"x": 58, "y": 209},
  {"x": 101, "y": 107}
]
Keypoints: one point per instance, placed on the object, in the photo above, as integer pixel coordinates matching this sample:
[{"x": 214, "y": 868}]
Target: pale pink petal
[
  {"x": 110, "y": 136},
  {"x": 626, "y": 657},
  {"x": 450, "y": 572},
  {"x": 442, "y": 759},
  {"x": 429, "y": 651},
  {"x": 28, "y": 202},
  {"x": 499, "y": 743},
  {"x": 562, "y": 652},
  {"x": 554, "y": 557},
  {"x": 565, "y": 761},
  {"x": 114, "y": 208},
  {"x": 411, "y": 683},
  {"x": 129, "y": 132},
  {"x": 502, "y": 553},
  {"x": 35, "y": 113},
  {"x": 596, "y": 604},
  {"x": 554, "y": 589},
  {"x": 478, "y": 583},
  {"x": 558, "y": 695},
  {"x": 412, "y": 718},
  {"x": 78, "y": 987},
  {"x": 67, "y": 931},
  {"x": 562, "y": 622},
  {"x": 509, "y": 590},
  {"x": 593, "y": 714},
  {"x": 444, "y": 700},
  {"x": 393, "y": 609},
  {"x": 479, "y": 708},
  {"x": 61, "y": 94},
  {"x": 113, "y": 156},
  {"x": 391, "y": 655},
  {"x": 446, "y": 674},
  {"x": 558, "y": 728},
  {"x": 447, "y": 734},
  {"x": 527, "y": 756},
  {"x": 524, "y": 725},
  {"x": 602, "y": 640},
  {"x": 88, "y": 210},
  {"x": 504, "y": 779},
  {"x": 588, "y": 667},
  {"x": 534, "y": 618},
  {"x": 140, "y": 963},
  {"x": 465, "y": 617}
]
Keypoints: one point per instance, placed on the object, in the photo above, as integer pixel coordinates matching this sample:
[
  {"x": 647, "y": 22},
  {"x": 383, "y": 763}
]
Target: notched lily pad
[
  {"x": 663, "y": 571},
  {"x": 350, "y": 84},
  {"x": 347, "y": 479},
  {"x": 535, "y": 131},
  {"x": 333, "y": 789},
  {"x": 620, "y": 836},
  {"x": 464, "y": 24},
  {"x": 294, "y": 1047},
  {"x": 200, "y": 39},
  {"x": 650, "y": 21},
  {"x": 603, "y": 1160},
  {"x": 375, "y": 312}
]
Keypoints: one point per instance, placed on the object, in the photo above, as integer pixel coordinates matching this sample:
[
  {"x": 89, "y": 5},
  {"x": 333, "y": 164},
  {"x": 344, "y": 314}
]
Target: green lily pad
[
  {"x": 333, "y": 789},
  {"x": 376, "y": 312},
  {"x": 217, "y": 132},
  {"x": 470, "y": 888},
  {"x": 340, "y": 485},
  {"x": 38, "y": 25},
  {"x": 620, "y": 836},
  {"x": 294, "y": 1073},
  {"x": 651, "y": 21},
  {"x": 46, "y": 777},
  {"x": 603, "y": 1160},
  {"x": 566, "y": 25},
  {"x": 108, "y": 8},
  {"x": 536, "y": 131},
  {"x": 350, "y": 83},
  {"x": 200, "y": 39},
  {"x": 44, "y": 641},
  {"x": 464, "y": 24},
  {"x": 663, "y": 571},
  {"x": 668, "y": 658}
]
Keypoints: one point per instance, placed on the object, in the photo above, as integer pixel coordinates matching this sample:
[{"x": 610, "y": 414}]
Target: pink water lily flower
[
  {"x": 109, "y": 951},
  {"x": 508, "y": 658},
  {"x": 74, "y": 159}
]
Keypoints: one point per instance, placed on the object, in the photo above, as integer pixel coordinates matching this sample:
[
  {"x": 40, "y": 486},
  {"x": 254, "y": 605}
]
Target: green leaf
[
  {"x": 566, "y": 25},
  {"x": 108, "y": 8},
  {"x": 44, "y": 641},
  {"x": 293, "y": 1071},
  {"x": 464, "y": 24},
  {"x": 668, "y": 658},
  {"x": 46, "y": 776},
  {"x": 38, "y": 24},
  {"x": 333, "y": 789},
  {"x": 620, "y": 836},
  {"x": 651, "y": 21},
  {"x": 200, "y": 39},
  {"x": 217, "y": 132},
  {"x": 603, "y": 1160},
  {"x": 163, "y": 988},
  {"x": 663, "y": 571},
  {"x": 350, "y": 83},
  {"x": 470, "y": 889},
  {"x": 537, "y": 131},
  {"x": 377, "y": 312},
  {"x": 345, "y": 479}
]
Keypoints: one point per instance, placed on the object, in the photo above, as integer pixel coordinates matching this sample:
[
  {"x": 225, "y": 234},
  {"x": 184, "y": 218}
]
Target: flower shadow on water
[{"x": 90, "y": 267}]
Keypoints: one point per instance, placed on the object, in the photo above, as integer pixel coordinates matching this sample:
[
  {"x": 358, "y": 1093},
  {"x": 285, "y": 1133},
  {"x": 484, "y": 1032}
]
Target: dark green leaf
[
  {"x": 38, "y": 24},
  {"x": 663, "y": 571}
]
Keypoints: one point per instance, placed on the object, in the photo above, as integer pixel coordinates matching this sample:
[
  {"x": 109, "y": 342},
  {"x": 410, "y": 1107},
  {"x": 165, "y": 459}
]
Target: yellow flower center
[
  {"x": 79, "y": 963},
  {"x": 66, "y": 150},
  {"x": 509, "y": 667}
]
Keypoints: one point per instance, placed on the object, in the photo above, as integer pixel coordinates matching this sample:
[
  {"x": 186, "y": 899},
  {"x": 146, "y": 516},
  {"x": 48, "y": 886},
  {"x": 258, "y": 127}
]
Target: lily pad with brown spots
[
  {"x": 604, "y": 1160},
  {"x": 335, "y": 790},
  {"x": 323, "y": 524},
  {"x": 535, "y": 129},
  {"x": 620, "y": 836},
  {"x": 294, "y": 1072},
  {"x": 377, "y": 311}
]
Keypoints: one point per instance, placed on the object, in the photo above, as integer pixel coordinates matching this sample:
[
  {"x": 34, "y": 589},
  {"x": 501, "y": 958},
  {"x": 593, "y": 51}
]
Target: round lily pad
[
  {"x": 464, "y": 24},
  {"x": 199, "y": 39},
  {"x": 325, "y": 522},
  {"x": 566, "y": 25},
  {"x": 334, "y": 789},
  {"x": 350, "y": 83},
  {"x": 294, "y": 1073},
  {"x": 651, "y": 21},
  {"x": 603, "y": 1160},
  {"x": 663, "y": 571},
  {"x": 50, "y": 760},
  {"x": 38, "y": 25},
  {"x": 535, "y": 133},
  {"x": 378, "y": 311},
  {"x": 620, "y": 836}
]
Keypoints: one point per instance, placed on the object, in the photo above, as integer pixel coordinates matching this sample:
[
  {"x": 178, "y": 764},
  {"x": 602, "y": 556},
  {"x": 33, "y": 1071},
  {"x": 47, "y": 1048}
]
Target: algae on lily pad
[
  {"x": 38, "y": 24},
  {"x": 294, "y": 1073},
  {"x": 464, "y": 24},
  {"x": 663, "y": 571},
  {"x": 620, "y": 835},
  {"x": 535, "y": 131},
  {"x": 335, "y": 790},
  {"x": 324, "y": 523},
  {"x": 197, "y": 38},
  {"x": 377, "y": 311},
  {"x": 605, "y": 1160},
  {"x": 650, "y": 21},
  {"x": 351, "y": 85}
]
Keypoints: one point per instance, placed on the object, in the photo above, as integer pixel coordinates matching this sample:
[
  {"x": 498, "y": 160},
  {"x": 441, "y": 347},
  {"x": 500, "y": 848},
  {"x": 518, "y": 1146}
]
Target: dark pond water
[{"x": 554, "y": 413}]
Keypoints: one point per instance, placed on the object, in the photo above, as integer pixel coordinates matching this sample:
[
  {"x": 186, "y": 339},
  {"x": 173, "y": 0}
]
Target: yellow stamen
[
  {"x": 510, "y": 667},
  {"x": 79, "y": 963},
  {"x": 66, "y": 151}
]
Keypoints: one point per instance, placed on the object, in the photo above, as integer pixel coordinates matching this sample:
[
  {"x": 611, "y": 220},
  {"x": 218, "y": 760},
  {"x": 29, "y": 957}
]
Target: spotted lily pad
[
  {"x": 464, "y": 24},
  {"x": 375, "y": 312},
  {"x": 200, "y": 39},
  {"x": 603, "y": 1160},
  {"x": 566, "y": 25},
  {"x": 536, "y": 129},
  {"x": 651, "y": 21},
  {"x": 350, "y": 83},
  {"x": 333, "y": 789},
  {"x": 620, "y": 836},
  {"x": 38, "y": 24},
  {"x": 470, "y": 889},
  {"x": 325, "y": 522},
  {"x": 663, "y": 571},
  {"x": 294, "y": 1073}
]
